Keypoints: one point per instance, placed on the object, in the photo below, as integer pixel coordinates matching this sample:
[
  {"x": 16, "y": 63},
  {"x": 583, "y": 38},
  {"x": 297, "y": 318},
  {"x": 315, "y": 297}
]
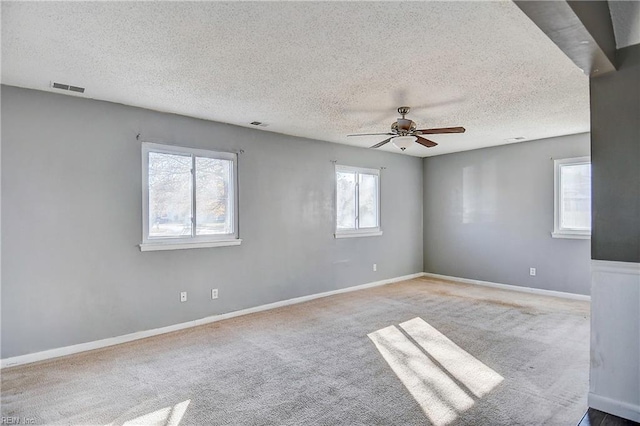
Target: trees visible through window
[
  {"x": 572, "y": 198},
  {"x": 357, "y": 201},
  {"x": 189, "y": 195}
]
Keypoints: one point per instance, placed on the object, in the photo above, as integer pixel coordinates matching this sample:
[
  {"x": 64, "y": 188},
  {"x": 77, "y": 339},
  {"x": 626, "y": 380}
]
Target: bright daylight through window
[
  {"x": 189, "y": 197},
  {"x": 357, "y": 202},
  {"x": 572, "y": 198}
]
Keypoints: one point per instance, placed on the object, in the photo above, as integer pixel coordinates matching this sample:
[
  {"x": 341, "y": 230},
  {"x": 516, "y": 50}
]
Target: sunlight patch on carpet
[
  {"x": 168, "y": 416},
  {"x": 438, "y": 395},
  {"x": 476, "y": 376},
  {"x": 444, "y": 388}
]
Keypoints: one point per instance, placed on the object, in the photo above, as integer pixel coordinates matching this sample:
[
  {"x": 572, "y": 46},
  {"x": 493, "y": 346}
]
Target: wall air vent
[
  {"x": 259, "y": 123},
  {"x": 67, "y": 87}
]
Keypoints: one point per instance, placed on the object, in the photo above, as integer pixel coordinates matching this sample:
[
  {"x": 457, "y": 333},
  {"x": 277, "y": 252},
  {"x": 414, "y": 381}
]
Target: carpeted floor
[{"x": 413, "y": 353}]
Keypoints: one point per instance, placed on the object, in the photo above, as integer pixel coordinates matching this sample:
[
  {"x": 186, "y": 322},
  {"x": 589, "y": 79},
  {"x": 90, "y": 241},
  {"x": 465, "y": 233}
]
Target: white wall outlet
[
  {"x": 375, "y": 267},
  {"x": 183, "y": 296},
  {"x": 532, "y": 272},
  {"x": 214, "y": 293}
]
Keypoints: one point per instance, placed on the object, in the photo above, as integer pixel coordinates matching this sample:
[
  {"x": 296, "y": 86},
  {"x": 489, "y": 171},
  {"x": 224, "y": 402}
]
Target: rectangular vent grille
[{"x": 67, "y": 87}]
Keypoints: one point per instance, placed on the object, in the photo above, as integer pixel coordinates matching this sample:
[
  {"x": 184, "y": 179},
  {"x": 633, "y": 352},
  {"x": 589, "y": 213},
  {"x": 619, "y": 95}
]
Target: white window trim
[
  {"x": 363, "y": 232},
  {"x": 357, "y": 234},
  {"x": 559, "y": 232},
  {"x": 202, "y": 241},
  {"x": 178, "y": 245}
]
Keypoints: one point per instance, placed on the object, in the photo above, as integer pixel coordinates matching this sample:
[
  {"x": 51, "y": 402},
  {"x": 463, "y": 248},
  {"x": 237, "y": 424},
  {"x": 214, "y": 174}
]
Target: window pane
[
  {"x": 346, "y": 200},
  {"x": 368, "y": 197},
  {"x": 214, "y": 202},
  {"x": 169, "y": 195},
  {"x": 575, "y": 197}
]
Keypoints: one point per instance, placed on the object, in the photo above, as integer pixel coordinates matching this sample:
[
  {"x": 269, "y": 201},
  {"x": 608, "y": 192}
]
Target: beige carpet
[{"x": 413, "y": 353}]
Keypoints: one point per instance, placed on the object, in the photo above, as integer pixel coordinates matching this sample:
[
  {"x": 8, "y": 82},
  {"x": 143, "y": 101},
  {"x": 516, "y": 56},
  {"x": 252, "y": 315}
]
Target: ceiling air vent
[
  {"x": 67, "y": 87},
  {"x": 259, "y": 123}
]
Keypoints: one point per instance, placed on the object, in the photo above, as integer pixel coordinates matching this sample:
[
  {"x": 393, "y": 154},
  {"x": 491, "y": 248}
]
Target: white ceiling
[{"x": 311, "y": 69}]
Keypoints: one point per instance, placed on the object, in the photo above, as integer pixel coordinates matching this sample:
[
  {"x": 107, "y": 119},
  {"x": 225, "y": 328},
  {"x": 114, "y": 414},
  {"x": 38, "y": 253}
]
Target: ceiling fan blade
[
  {"x": 378, "y": 145},
  {"x": 441, "y": 130},
  {"x": 425, "y": 142},
  {"x": 370, "y": 134}
]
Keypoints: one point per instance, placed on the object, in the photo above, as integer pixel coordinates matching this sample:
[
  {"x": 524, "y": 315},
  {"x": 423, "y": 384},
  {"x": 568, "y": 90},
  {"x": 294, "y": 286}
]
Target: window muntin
[
  {"x": 189, "y": 195},
  {"x": 357, "y": 201},
  {"x": 572, "y": 205}
]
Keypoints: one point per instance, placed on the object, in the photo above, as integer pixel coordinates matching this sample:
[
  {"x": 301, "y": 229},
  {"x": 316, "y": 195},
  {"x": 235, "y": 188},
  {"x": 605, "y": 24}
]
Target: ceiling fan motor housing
[{"x": 403, "y": 126}]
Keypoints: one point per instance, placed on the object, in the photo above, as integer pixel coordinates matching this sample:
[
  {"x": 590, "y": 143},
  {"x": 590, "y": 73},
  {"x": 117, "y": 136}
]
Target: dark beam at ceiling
[{"x": 581, "y": 29}]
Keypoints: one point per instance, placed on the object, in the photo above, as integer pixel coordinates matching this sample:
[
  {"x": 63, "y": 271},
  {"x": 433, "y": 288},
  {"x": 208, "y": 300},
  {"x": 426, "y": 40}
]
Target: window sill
[
  {"x": 175, "y": 245},
  {"x": 357, "y": 234},
  {"x": 569, "y": 235}
]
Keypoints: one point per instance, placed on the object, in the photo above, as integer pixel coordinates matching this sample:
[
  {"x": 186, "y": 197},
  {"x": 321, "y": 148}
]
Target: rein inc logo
[{"x": 17, "y": 420}]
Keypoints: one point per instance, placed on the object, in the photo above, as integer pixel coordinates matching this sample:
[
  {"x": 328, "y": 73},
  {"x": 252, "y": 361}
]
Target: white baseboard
[
  {"x": 617, "y": 408},
  {"x": 530, "y": 290},
  {"x": 97, "y": 344}
]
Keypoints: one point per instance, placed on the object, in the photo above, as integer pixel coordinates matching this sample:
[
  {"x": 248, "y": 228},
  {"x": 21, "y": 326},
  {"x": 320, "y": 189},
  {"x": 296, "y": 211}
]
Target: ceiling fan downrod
[{"x": 403, "y": 126}]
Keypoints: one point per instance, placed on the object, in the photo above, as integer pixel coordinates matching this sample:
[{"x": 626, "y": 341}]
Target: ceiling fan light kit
[
  {"x": 404, "y": 132},
  {"x": 404, "y": 142}
]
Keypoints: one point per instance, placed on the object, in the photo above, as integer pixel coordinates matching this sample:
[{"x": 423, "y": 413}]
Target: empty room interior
[{"x": 320, "y": 213}]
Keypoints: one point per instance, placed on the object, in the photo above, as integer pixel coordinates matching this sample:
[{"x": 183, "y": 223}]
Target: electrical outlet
[
  {"x": 532, "y": 272},
  {"x": 214, "y": 293},
  {"x": 183, "y": 296},
  {"x": 375, "y": 267}
]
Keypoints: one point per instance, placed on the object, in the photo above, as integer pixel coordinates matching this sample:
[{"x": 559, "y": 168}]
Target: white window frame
[
  {"x": 193, "y": 240},
  {"x": 364, "y": 232},
  {"x": 558, "y": 231}
]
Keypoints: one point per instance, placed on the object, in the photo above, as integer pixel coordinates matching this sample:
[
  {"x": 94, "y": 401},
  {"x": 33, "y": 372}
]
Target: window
[
  {"x": 189, "y": 198},
  {"x": 357, "y": 202},
  {"x": 572, "y": 198}
]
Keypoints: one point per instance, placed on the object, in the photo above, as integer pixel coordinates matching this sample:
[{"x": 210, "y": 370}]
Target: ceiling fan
[{"x": 404, "y": 133}]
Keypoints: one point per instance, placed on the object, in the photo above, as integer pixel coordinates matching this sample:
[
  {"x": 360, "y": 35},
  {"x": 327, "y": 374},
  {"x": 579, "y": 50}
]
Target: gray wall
[
  {"x": 615, "y": 146},
  {"x": 488, "y": 215},
  {"x": 615, "y": 245},
  {"x": 71, "y": 222}
]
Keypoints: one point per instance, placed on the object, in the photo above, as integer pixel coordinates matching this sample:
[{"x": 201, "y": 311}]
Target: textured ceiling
[
  {"x": 315, "y": 69},
  {"x": 625, "y": 16}
]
